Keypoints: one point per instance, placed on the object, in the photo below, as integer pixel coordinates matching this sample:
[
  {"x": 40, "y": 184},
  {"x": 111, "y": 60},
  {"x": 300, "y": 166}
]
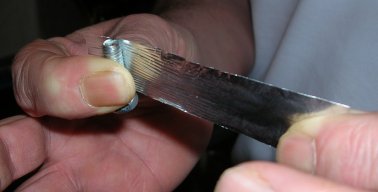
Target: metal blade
[{"x": 256, "y": 109}]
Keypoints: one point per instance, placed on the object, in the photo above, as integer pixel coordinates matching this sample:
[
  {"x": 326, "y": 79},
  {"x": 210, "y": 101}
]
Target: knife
[{"x": 254, "y": 108}]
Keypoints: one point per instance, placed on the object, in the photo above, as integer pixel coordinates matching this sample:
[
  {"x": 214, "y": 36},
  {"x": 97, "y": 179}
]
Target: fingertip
[
  {"x": 312, "y": 123},
  {"x": 297, "y": 150},
  {"x": 326, "y": 144},
  {"x": 297, "y": 147},
  {"x": 242, "y": 178},
  {"x": 80, "y": 86},
  {"x": 106, "y": 84},
  {"x": 264, "y": 176}
]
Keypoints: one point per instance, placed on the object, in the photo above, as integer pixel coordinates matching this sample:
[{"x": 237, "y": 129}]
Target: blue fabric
[{"x": 326, "y": 48}]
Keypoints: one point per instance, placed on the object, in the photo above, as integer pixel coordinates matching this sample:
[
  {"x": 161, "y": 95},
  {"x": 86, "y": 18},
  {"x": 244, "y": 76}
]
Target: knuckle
[
  {"x": 155, "y": 31},
  {"x": 21, "y": 84},
  {"x": 145, "y": 28}
]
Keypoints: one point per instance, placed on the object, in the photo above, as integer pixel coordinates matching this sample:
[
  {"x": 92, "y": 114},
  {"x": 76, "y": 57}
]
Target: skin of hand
[
  {"x": 142, "y": 151},
  {"x": 67, "y": 138},
  {"x": 80, "y": 149},
  {"x": 332, "y": 152}
]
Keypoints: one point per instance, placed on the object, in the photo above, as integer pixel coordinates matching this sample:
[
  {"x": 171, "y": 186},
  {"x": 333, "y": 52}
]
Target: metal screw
[{"x": 115, "y": 49}]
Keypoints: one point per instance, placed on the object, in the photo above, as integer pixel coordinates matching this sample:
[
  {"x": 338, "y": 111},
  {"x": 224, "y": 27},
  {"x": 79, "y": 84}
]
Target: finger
[
  {"x": 342, "y": 147},
  {"x": 22, "y": 148},
  {"x": 49, "y": 81},
  {"x": 41, "y": 78},
  {"x": 268, "y": 177},
  {"x": 154, "y": 31},
  {"x": 56, "y": 181}
]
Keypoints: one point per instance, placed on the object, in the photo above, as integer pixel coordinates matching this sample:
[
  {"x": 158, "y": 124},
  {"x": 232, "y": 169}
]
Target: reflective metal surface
[
  {"x": 244, "y": 105},
  {"x": 115, "y": 51}
]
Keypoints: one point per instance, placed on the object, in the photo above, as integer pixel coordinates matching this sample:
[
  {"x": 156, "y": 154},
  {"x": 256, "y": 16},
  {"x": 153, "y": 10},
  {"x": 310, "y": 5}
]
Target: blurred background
[{"x": 23, "y": 21}]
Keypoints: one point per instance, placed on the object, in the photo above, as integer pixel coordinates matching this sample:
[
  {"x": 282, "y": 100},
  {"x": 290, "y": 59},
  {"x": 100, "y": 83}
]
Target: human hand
[
  {"x": 150, "y": 149},
  {"x": 324, "y": 153}
]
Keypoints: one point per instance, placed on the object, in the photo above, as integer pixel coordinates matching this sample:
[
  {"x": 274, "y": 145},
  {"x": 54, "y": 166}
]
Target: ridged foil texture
[{"x": 256, "y": 109}]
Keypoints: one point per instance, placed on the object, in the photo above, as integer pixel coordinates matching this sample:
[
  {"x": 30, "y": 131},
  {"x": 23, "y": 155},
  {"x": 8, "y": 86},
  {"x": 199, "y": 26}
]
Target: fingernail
[
  {"x": 237, "y": 179},
  {"x": 298, "y": 146},
  {"x": 297, "y": 150},
  {"x": 104, "y": 89}
]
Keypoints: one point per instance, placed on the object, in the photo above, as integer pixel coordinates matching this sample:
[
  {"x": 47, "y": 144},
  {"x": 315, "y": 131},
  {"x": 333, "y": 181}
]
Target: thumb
[
  {"x": 341, "y": 147},
  {"x": 49, "y": 82},
  {"x": 268, "y": 177}
]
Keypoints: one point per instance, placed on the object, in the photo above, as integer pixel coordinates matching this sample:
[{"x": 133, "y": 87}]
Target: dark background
[{"x": 25, "y": 20}]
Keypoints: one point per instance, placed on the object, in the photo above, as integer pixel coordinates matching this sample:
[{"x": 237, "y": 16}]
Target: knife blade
[{"x": 254, "y": 108}]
